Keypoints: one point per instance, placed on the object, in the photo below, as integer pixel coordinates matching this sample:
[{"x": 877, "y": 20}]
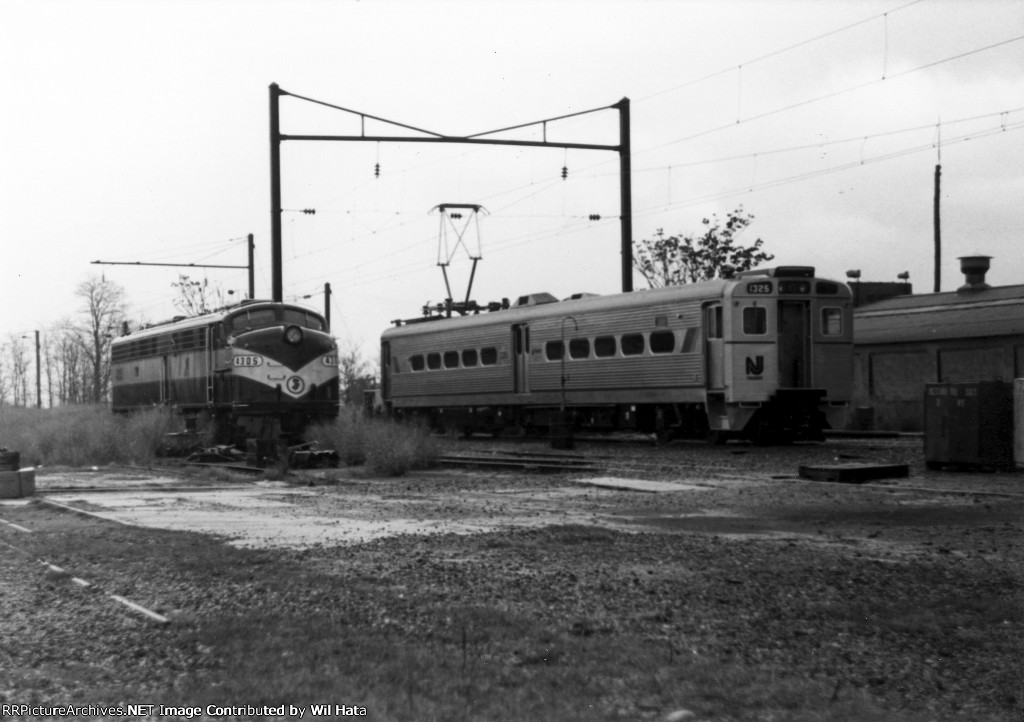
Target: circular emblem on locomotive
[{"x": 296, "y": 385}]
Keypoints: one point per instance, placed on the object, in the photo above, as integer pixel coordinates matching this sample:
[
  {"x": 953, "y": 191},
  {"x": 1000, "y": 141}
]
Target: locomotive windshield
[{"x": 252, "y": 318}]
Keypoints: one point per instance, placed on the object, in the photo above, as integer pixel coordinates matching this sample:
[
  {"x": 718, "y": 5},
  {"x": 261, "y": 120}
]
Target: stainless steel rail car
[
  {"x": 767, "y": 356},
  {"x": 256, "y": 370}
]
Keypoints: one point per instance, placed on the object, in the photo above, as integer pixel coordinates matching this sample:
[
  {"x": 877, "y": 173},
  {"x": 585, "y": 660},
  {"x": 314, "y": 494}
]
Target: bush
[
  {"x": 386, "y": 448},
  {"x": 89, "y": 435}
]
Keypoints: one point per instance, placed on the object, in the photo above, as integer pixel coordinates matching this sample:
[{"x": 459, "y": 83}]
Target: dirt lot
[{"x": 725, "y": 588}]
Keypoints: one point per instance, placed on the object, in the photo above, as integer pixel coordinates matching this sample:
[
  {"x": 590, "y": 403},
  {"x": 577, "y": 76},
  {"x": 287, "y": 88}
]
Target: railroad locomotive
[
  {"x": 256, "y": 370},
  {"x": 766, "y": 355}
]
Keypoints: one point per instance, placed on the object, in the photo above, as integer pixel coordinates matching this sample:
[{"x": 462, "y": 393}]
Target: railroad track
[{"x": 521, "y": 460}]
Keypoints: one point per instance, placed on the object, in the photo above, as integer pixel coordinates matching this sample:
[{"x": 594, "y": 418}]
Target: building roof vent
[{"x": 974, "y": 269}]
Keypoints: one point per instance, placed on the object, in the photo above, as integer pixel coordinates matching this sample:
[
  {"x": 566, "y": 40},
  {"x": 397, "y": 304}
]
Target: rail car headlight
[{"x": 293, "y": 335}]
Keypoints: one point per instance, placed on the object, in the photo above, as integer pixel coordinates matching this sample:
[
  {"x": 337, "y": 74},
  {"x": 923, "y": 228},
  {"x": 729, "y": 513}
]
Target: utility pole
[
  {"x": 277, "y": 286},
  {"x": 938, "y": 233},
  {"x": 252, "y": 268},
  {"x": 626, "y": 194},
  {"x": 327, "y": 305},
  {"x": 39, "y": 377}
]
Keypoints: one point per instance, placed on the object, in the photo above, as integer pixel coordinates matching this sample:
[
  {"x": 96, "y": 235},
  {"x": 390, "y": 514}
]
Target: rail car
[
  {"x": 765, "y": 356},
  {"x": 256, "y": 370}
]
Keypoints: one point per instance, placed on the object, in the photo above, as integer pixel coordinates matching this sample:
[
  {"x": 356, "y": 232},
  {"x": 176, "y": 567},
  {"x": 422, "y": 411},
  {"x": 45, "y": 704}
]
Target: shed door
[
  {"x": 521, "y": 358},
  {"x": 794, "y": 345}
]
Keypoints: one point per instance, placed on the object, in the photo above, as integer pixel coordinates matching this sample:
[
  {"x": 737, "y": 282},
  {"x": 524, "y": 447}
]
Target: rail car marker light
[{"x": 293, "y": 335}]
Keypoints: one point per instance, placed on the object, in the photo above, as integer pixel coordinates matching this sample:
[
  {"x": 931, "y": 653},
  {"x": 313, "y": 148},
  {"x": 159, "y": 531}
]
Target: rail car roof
[
  {"x": 187, "y": 322},
  {"x": 935, "y": 316},
  {"x": 708, "y": 290}
]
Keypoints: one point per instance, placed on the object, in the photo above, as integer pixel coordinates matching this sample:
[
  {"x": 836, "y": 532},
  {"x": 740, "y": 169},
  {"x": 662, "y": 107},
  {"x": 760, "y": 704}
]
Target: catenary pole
[
  {"x": 277, "y": 286},
  {"x": 276, "y": 137}
]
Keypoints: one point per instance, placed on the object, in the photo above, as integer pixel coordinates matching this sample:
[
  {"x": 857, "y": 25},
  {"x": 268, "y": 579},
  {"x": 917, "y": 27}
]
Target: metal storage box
[{"x": 969, "y": 424}]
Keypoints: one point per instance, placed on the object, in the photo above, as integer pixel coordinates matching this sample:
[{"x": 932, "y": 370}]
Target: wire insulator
[
  {"x": 376, "y": 170},
  {"x": 565, "y": 172}
]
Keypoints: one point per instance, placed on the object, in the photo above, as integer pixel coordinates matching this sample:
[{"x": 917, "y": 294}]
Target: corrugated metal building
[{"x": 975, "y": 333}]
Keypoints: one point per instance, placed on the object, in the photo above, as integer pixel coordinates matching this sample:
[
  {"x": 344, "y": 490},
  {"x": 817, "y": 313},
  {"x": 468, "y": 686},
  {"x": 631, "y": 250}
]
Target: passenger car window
[
  {"x": 469, "y": 357},
  {"x": 604, "y": 346},
  {"x": 554, "y": 350},
  {"x": 713, "y": 321},
  {"x": 433, "y": 361},
  {"x": 416, "y": 362},
  {"x": 755, "y": 320},
  {"x": 832, "y": 322},
  {"x": 663, "y": 342},
  {"x": 632, "y": 344},
  {"x": 579, "y": 348},
  {"x": 451, "y": 359},
  {"x": 488, "y": 356}
]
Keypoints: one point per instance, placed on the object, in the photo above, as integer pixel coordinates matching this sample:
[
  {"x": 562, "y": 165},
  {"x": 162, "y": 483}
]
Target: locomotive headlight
[{"x": 293, "y": 335}]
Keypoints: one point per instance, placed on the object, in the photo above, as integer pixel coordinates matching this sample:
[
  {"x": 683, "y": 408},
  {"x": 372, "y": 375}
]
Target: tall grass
[
  {"x": 386, "y": 448},
  {"x": 89, "y": 435}
]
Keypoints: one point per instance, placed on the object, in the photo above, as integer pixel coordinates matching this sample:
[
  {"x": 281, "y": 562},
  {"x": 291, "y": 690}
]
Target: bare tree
[
  {"x": 673, "y": 260},
  {"x": 103, "y": 311},
  {"x": 354, "y": 377},
  {"x": 198, "y": 297},
  {"x": 18, "y": 368},
  {"x": 5, "y": 379}
]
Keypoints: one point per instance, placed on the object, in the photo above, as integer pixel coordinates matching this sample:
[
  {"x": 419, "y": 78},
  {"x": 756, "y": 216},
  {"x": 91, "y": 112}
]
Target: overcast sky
[{"x": 138, "y": 131}]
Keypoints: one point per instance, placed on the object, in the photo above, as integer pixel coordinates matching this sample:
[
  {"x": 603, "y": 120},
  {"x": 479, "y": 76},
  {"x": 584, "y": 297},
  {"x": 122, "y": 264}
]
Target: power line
[
  {"x": 835, "y": 169},
  {"x": 827, "y": 96},
  {"x": 780, "y": 51},
  {"x": 823, "y": 144}
]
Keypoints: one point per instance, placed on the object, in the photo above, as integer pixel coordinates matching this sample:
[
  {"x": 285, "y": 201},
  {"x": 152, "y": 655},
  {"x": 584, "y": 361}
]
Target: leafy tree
[{"x": 674, "y": 260}]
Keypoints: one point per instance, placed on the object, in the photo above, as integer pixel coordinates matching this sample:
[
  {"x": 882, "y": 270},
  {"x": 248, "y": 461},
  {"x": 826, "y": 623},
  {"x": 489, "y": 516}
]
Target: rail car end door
[
  {"x": 521, "y": 358},
  {"x": 794, "y": 345}
]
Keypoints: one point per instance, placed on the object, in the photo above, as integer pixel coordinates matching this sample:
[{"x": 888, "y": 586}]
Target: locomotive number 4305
[{"x": 248, "y": 361}]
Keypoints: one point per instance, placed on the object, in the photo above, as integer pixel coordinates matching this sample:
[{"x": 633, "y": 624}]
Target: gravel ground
[{"x": 907, "y": 590}]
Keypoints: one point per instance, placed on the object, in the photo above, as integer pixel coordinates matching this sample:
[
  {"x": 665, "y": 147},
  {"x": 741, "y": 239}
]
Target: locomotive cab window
[
  {"x": 554, "y": 350},
  {"x": 755, "y": 320},
  {"x": 302, "y": 318},
  {"x": 604, "y": 346},
  {"x": 256, "y": 318},
  {"x": 831, "y": 322}
]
